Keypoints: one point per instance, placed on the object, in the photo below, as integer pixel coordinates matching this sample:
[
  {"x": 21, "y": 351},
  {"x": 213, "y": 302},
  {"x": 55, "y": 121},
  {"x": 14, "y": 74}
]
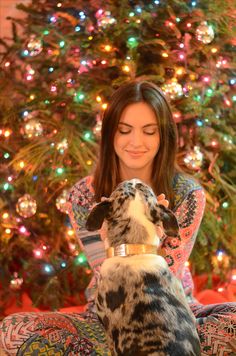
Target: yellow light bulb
[
  {"x": 126, "y": 68},
  {"x": 70, "y": 232},
  {"x": 89, "y": 162},
  {"x": 165, "y": 55},
  {"x": 179, "y": 71},
  {"x": 104, "y": 106},
  {"x": 5, "y": 215},
  {"x": 192, "y": 76},
  {"x": 22, "y": 164},
  {"x": 107, "y": 48},
  {"x": 99, "y": 99},
  {"x": 214, "y": 50},
  {"x": 7, "y": 133},
  {"x": 8, "y": 231}
]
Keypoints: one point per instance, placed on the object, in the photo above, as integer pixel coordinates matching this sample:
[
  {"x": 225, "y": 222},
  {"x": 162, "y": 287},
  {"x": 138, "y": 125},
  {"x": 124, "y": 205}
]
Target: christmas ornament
[
  {"x": 97, "y": 128},
  {"x": 33, "y": 128},
  {"x": 16, "y": 282},
  {"x": 62, "y": 146},
  {"x": 62, "y": 203},
  {"x": 220, "y": 261},
  {"x": 173, "y": 89},
  {"x": 193, "y": 159},
  {"x": 104, "y": 18},
  {"x": 34, "y": 46},
  {"x": 205, "y": 33},
  {"x": 26, "y": 206}
]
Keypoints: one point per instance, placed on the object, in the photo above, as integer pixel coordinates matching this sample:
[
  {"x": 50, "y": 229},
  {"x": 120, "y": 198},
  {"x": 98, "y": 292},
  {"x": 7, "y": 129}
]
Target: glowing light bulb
[
  {"x": 5, "y": 216},
  {"x": 38, "y": 253},
  {"x": 108, "y": 48},
  {"x": 7, "y": 133},
  {"x": 22, "y": 164},
  {"x": 70, "y": 232},
  {"x": 98, "y": 99},
  {"x": 126, "y": 68},
  {"x": 104, "y": 106}
]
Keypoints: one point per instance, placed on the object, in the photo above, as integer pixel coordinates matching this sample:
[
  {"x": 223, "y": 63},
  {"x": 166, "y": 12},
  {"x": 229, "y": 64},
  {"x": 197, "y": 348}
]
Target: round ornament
[
  {"x": 16, "y": 282},
  {"x": 62, "y": 203},
  {"x": 34, "y": 46},
  {"x": 205, "y": 33},
  {"x": 104, "y": 19},
  {"x": 193, "y": 159},
  {"x": 33, "y": 128},
  {"x": 26, "y": 206},
  {"x": 173, "y": 89},
  {"x": 62, "y": 146}
]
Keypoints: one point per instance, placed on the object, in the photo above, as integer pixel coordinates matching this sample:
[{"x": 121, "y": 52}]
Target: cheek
[
  {"x": 119, "y": 142},
  {"x": 154, "y": 143}
]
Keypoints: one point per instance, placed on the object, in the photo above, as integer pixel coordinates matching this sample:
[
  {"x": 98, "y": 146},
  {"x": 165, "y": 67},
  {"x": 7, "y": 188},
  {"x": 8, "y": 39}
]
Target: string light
[
  {"x": 89, "y": 162},
  {"x": 165, "y": 54},
  {"x": 5, "y": 216},
  {"x": 126, "y": 68},
  {"x": 21, "y": 164},
  {"x": 104, "y": 106},
  {"x": 7, "y": 133},
  {"x": 60, "y": 170}
]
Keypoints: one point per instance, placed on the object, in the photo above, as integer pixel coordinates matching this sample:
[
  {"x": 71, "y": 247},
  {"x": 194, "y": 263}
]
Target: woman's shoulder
[
  {"x": 183, "y": 185},
  {"x": 82, "y": 191}
]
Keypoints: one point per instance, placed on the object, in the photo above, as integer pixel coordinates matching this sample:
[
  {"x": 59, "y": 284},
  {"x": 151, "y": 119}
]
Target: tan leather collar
[{"x": 132, "y": 249}]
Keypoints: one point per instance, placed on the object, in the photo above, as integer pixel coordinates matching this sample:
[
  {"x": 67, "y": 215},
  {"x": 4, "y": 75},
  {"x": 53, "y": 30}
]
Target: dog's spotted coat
[{"x": 140, "y": 303}]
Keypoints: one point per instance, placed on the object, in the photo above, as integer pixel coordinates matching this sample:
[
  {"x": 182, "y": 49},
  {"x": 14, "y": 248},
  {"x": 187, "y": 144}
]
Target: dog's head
[{"x": 131, "y": 213}]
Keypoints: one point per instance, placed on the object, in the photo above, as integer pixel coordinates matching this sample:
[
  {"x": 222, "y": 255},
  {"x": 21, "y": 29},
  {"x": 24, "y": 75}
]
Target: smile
[{"x": 135, "y": 153}]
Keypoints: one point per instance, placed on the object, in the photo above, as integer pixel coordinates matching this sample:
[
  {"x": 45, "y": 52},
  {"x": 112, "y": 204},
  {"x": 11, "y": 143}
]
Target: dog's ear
[
  {"x": 169, "y": 221},
  {"x": 97, "y": 215}
]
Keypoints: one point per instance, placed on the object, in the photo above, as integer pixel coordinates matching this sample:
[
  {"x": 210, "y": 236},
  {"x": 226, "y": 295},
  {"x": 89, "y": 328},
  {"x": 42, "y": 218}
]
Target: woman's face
[{"x": 137, "y": 139}]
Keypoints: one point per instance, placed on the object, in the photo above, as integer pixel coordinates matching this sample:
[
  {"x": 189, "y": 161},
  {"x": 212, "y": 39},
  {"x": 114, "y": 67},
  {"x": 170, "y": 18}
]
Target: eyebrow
[{"x": 123, "y": 123}]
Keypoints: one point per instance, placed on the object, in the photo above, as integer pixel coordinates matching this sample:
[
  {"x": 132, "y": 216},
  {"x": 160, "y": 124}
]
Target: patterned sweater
[{"x": 189, "y": 204}]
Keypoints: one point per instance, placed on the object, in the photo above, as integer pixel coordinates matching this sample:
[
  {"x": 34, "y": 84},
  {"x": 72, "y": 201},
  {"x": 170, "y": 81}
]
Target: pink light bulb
[{"x": 38, "y": 253}]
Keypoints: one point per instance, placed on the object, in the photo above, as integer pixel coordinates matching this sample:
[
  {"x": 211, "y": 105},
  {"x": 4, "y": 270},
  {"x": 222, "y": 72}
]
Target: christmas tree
[{"x": 56, "y": 78}]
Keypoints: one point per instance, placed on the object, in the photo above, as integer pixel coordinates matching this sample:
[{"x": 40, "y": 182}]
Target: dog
[{"x": 140, "y": 303}]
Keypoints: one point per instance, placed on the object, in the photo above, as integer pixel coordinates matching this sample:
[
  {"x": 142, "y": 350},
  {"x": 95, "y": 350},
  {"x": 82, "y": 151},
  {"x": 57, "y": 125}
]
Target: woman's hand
[{"x": 161, "y": 199}]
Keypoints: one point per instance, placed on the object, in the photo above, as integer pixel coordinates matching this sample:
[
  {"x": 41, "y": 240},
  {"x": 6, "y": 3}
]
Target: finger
[
  {"x": 161, "y": 197},
  {"x": 164, "y": 202},
  {"x": 104, "y": 198}
]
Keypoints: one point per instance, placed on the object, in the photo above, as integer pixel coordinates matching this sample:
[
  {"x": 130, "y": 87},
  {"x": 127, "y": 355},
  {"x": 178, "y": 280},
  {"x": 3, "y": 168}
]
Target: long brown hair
[{"x": 106, "y": 175}]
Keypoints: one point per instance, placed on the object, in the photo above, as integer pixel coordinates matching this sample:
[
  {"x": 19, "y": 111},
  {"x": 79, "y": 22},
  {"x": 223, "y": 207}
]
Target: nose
[{"x": 136, "y": 138}]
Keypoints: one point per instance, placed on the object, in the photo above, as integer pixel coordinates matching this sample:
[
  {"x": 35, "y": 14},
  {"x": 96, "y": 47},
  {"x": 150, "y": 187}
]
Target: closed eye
[
  {"x": 124, "y": 132},
  {"x": 150, "y": 132}
]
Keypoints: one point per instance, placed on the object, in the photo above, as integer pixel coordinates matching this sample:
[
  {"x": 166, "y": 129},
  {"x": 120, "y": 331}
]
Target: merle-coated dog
[{"x": 140, "y": 303}]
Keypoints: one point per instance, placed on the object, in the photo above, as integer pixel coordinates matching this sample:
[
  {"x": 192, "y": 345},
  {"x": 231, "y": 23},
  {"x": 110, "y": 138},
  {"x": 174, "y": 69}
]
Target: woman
[{"x": 138, "y": 140}]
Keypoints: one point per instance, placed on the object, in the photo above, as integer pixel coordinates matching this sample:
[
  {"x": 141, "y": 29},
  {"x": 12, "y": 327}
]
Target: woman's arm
[
  {"x": 189, "y": 214},
  {"x": 80, "y": 202}
]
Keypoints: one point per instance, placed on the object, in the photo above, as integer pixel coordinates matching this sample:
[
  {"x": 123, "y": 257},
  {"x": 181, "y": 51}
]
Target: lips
[{"x": 135, "y": 153}]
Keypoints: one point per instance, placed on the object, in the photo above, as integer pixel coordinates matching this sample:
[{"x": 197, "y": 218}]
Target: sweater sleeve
[
  {"x": 80, "y": 202},
  {"x": 189, "y": 215}
]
